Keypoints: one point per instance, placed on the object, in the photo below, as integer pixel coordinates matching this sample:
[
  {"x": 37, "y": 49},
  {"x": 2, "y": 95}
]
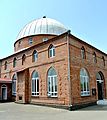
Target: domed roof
[{"x": 42, "y": 26}]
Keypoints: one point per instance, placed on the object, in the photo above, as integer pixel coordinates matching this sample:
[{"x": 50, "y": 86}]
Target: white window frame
[
  {"x": 83, "y": 53},
  {"x": 30, "y": 41},
  {"x": 51, "y": 80},
  {"x": 35, "y": 56},
  {"x": 35, "y": 92},
  {"x": 85, "y": 89},
  {"x": 51, "y": 51}
]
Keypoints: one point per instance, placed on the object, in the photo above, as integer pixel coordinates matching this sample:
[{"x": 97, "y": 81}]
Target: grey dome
[{"x": 42, "y": 26}]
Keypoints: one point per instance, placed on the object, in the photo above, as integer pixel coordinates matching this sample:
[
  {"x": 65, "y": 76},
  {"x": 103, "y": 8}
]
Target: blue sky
[{"x": 87, "y": 19}]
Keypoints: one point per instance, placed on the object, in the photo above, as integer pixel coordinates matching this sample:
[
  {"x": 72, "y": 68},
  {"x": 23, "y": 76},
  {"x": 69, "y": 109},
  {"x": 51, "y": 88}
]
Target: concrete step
[{"x": 102, "y": 102}]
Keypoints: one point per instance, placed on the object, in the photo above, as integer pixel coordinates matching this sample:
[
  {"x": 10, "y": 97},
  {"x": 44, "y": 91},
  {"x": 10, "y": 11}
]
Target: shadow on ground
[{"x": 94, "y": 108}]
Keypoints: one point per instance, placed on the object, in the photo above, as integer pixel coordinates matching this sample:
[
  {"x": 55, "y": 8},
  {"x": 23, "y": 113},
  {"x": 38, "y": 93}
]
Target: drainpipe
[{"x": 69, "y": 74}]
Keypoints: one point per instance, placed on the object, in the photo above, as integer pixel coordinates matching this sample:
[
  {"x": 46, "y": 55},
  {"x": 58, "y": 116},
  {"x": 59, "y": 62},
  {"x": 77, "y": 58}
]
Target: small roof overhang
[{"x": 5, "y": 80}]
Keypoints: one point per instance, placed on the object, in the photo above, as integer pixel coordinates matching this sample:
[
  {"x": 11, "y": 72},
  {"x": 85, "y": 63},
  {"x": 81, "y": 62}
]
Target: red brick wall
[
  {"x": 77, "y": 63},
  {"x": 59, "y": 62},
  {"x": 36, "y": 39}
]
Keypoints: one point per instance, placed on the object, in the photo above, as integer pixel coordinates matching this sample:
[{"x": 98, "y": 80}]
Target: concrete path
[{"x": 13, "y": 111}]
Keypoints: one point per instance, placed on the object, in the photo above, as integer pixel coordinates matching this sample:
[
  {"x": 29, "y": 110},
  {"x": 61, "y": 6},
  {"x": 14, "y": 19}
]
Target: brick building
[{"x": 50, "y": 66}]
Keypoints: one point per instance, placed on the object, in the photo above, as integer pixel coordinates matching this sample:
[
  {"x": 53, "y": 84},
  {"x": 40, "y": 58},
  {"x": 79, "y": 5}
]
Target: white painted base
[{"x": 102, "y": 102}]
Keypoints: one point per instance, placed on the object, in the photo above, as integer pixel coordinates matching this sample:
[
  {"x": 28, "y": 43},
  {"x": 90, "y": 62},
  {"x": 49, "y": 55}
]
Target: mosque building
[{"x": 50, "y": 66}]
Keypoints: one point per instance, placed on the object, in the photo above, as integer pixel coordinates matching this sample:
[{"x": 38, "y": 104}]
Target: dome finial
[{"x": 44, "y": 16}]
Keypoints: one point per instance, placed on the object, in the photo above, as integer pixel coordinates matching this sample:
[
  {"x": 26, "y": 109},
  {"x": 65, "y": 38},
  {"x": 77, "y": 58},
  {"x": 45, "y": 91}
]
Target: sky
[{"x": 87, "y": 19}]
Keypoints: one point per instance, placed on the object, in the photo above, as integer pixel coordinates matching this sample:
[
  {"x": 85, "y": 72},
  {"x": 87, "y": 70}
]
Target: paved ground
[{"x": 13, "y": 111}]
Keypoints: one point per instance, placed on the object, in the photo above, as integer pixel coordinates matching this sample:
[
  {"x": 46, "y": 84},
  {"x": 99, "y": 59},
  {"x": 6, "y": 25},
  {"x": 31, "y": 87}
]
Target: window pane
[
  {"x": 55, "y": 84},
  {"x": 35, "y": 56},
  {"x": 84, "y": 86},
  {"x": 33, "y": 85},
  {"x": 51, "y": 72},
  {"x": 50, "y": 53},
  {"x": 54, "y": 52},
  {"x": 87, "y": 86},
  {"x": 37, "y": 85},
  {"x": 52, "y": 84},
  {"x": 35, "y": 74},
  {"x": 30, "y": 41},
  {"x": 84, "y": 79},
  {"x": 13, "y": 87},
  {"x": 14, "y": 84},
  {"x": 48, "y": 84}
]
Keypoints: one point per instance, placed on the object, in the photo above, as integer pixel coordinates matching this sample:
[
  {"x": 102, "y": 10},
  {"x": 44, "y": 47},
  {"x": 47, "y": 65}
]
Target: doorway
[
  {"x": 100, "y": 85},
  {"x": 4, "y": 92},
  {"x": 100, "y": 90}
]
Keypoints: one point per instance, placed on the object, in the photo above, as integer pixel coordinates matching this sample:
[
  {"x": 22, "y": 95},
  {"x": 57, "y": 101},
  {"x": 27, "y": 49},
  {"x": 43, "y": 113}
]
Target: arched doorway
[
  {"x": 100, "y": 85},
  {"x": 4, "y": 92}
]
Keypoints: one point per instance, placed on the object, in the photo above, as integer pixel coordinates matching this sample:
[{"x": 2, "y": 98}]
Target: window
[
  {"x": 19, "y": 43},
  {"x": 52, "y": 83},
  {"x": 51, "y": 51},
  {"x": 34, "y": 56},
  {"x": 5, "y": 65},
  {"x": 83, "y": 54},
  {"x": 30, "y": 41},
  {"x": 45, "y": 39},
  {"x": 35, "y": 84},
  {"x": 84, "y": 79},
  {"x": 94, "y": 58},
  {"x": 4, "y": 92},
  {"x": 14, "y": 85},
  {"x": 14, "y": 62},
  {"x": 103, "y": 59},
  {"x": 23, "y": 59}
]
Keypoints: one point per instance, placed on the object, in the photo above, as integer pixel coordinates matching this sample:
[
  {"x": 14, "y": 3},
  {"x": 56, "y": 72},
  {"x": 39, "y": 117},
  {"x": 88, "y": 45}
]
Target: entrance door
[
  {"x": 100, "y": 90},
  {"x": 100, "y": 85},
  {"x": 4, "y": 92}
]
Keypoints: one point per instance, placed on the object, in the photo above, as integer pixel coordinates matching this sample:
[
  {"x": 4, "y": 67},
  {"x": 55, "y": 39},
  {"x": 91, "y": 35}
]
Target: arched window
[
  {"x": 83, "y": 54},
  {"x": 51, "y": 51},
  {"x": 14, "y": 62},
  {"x": 34, "y": 56},
  {"x": 94, "y": 58},
  {"x": 14, "y": 85},
  {"x": 19, "y": 43},
  {"x": 35, "y": 84},
  {"x": 103, "y": 59},
  {"x": 84, "y": 79},
  {"x": 5, "y": 65},
  {"x": 52, "y": 83},
  {"x": 100, "y": 76},
  {"x": 23, "y": 59}
]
